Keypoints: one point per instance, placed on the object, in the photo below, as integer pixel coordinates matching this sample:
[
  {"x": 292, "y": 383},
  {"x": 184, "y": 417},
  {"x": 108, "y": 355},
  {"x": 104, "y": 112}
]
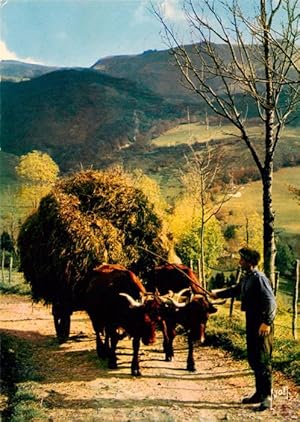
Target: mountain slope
[
  {"x": 157, "y": 70},
  {"x": 13, "y": 70},
  {"x": 153, "y": 69},
  {"x": 79, "y": 115}
]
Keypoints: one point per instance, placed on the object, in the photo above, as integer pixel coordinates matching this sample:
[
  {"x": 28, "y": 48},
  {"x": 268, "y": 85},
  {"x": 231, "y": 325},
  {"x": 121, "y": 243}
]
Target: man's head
[{"x": 249, "y": 257}]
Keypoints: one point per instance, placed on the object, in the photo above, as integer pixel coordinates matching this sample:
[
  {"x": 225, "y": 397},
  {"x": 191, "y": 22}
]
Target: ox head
[
  {"x": 175, "y": 300},
  {"x": 194, "y": 311},
  {"x": 200, "y": 309},
  {"x": 196, "y": 315},
  {"x": 144, "y": 315}
]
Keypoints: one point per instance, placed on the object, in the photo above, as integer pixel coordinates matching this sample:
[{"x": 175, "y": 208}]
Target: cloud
[
  {"x": 169, "y": 9},
  {"x": 6, "y": 54},
  {"x": 142, "y": 12},
  {"x": 172, "y": 10}
]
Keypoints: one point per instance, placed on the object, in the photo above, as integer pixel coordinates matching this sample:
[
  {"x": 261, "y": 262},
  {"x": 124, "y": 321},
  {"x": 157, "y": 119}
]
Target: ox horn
[
  {"x": 164, "y": 298},
  {"x": 148, "y": 296},
  {"x": 177, "y": 303},
  {"x": 132, "y": 302},
  {"x": 217, "y": 302},
  {"x": 182, "y": 292}
]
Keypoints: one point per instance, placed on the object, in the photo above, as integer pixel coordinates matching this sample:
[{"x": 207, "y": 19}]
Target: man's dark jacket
[{"x": 257, "y": 297}]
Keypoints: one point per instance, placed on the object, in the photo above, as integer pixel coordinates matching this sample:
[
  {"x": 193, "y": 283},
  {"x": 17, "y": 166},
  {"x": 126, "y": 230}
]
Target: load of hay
[{"x": 89, "y": 218}]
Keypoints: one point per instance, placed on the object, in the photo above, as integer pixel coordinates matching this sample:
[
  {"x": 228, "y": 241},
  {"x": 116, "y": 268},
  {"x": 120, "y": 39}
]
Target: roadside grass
[
  {"x": 18, "y": 372},
  {"x": 229, "y": 334},
  {"x": 14, "y": 285}
]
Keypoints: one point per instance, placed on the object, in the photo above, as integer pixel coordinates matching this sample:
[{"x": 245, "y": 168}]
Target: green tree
[
  {"x": 6, "y": 242},
  {"x": 152, "y": 191},
  {"x": 256, "y": 66},
  {"x": 285, "y": 258},
  {"x": 251, "y": 232},
  {"x": 185, "y": 211},
  {"x": 12, "y": 212},
  {"x": 37, "y": 172},
  {"x": 189, "y": 244}
]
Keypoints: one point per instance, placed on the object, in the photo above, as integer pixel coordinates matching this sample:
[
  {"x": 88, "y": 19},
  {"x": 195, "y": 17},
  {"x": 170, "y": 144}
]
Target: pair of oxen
[{"x": 118, "y": 304}]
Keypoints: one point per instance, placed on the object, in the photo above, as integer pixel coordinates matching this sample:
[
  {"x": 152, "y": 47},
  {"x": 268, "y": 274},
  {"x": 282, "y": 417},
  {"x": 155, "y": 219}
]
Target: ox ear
[{"x": 133, "y": 303}]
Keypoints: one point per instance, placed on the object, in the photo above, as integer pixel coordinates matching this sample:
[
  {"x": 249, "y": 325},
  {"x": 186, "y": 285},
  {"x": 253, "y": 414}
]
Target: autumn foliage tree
[{"x": 37, "y": 172}]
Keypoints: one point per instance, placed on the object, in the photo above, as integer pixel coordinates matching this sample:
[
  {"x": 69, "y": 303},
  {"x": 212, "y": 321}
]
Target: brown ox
[
  {"x": 115, "y": 298},
  {"x": 185, "y": 304}
]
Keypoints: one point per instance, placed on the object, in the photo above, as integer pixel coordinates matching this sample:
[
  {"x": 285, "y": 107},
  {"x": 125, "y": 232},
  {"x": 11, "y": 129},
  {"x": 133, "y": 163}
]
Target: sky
[
  {"x": 77, "y": 33},
  {"x": 80, "y": 32}
]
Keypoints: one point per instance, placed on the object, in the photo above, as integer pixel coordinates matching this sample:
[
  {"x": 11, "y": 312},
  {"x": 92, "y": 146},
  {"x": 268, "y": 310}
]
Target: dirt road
[{"x": 76, "y": 386}]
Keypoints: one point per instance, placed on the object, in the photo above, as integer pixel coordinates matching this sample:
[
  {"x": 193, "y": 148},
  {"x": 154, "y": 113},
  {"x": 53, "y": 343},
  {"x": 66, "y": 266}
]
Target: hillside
[
  {"x": 152, "y": 69},
  {"x": 158, "y": 71},
  {"x": 79, "y": 116},
  {"x": 15, "y": 71},
  {"x": 90, "y": 116}
]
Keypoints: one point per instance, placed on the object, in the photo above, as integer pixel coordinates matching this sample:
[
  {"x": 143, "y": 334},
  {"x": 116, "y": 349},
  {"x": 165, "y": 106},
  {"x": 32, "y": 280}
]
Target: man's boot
[
  {"x": 254, "y": 399},
  {"x": 266, "y": 404}
]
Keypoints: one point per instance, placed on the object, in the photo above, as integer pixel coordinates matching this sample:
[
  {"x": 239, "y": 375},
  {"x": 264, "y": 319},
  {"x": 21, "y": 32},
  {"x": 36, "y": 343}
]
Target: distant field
[
  {"x": 286, "y": 207},
  {"x": 197, "y": 132}
]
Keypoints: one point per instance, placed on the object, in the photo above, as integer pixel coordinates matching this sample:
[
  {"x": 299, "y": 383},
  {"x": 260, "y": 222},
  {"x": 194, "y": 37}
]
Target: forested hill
[
  {"x": 88, "y": 116},
  {"x": 79, "y": 115},
  {"x": 158, "y": 71},
  {"x": 153, "y": 69}
]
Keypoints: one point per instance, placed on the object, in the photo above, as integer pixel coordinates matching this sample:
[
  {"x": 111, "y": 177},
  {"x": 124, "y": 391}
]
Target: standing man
[{"x": 258, "y": 303}]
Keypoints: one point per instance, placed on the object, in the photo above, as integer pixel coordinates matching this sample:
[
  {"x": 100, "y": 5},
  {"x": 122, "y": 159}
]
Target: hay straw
[{"x": 89, "y": 218}]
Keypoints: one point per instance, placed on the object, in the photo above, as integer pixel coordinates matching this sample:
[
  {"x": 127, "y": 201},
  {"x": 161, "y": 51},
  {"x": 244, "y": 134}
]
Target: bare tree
[
  {"x": 200, "y": 181},
  {"x": 239, "y": 60}
]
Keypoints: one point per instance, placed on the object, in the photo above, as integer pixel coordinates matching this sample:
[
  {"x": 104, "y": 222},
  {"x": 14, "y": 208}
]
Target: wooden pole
[
  {"x": 10, "y": 268},
  {"x": 295, "y": 300},
  {"x": 191, "y": 264},
  {"x": 2, "y": 265},
  {"x": 237, "y": 280},
  {"x": 277, "y": 273},
  {"x": 199, "y": 272}
]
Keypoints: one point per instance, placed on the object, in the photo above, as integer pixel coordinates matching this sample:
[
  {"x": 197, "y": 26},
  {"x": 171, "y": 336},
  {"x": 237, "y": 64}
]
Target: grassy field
[
  {"x": 286, "y": 207},
  {"x": 197, "y": 132}
]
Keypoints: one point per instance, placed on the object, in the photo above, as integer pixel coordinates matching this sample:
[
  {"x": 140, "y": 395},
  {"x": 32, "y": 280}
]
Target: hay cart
[{"x": 89, "y": 218}]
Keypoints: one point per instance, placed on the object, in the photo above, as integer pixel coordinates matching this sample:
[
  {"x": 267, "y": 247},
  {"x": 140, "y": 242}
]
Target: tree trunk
[
  {"x": 202, "y": 260},
  {"x": 269, "y": 219}
]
